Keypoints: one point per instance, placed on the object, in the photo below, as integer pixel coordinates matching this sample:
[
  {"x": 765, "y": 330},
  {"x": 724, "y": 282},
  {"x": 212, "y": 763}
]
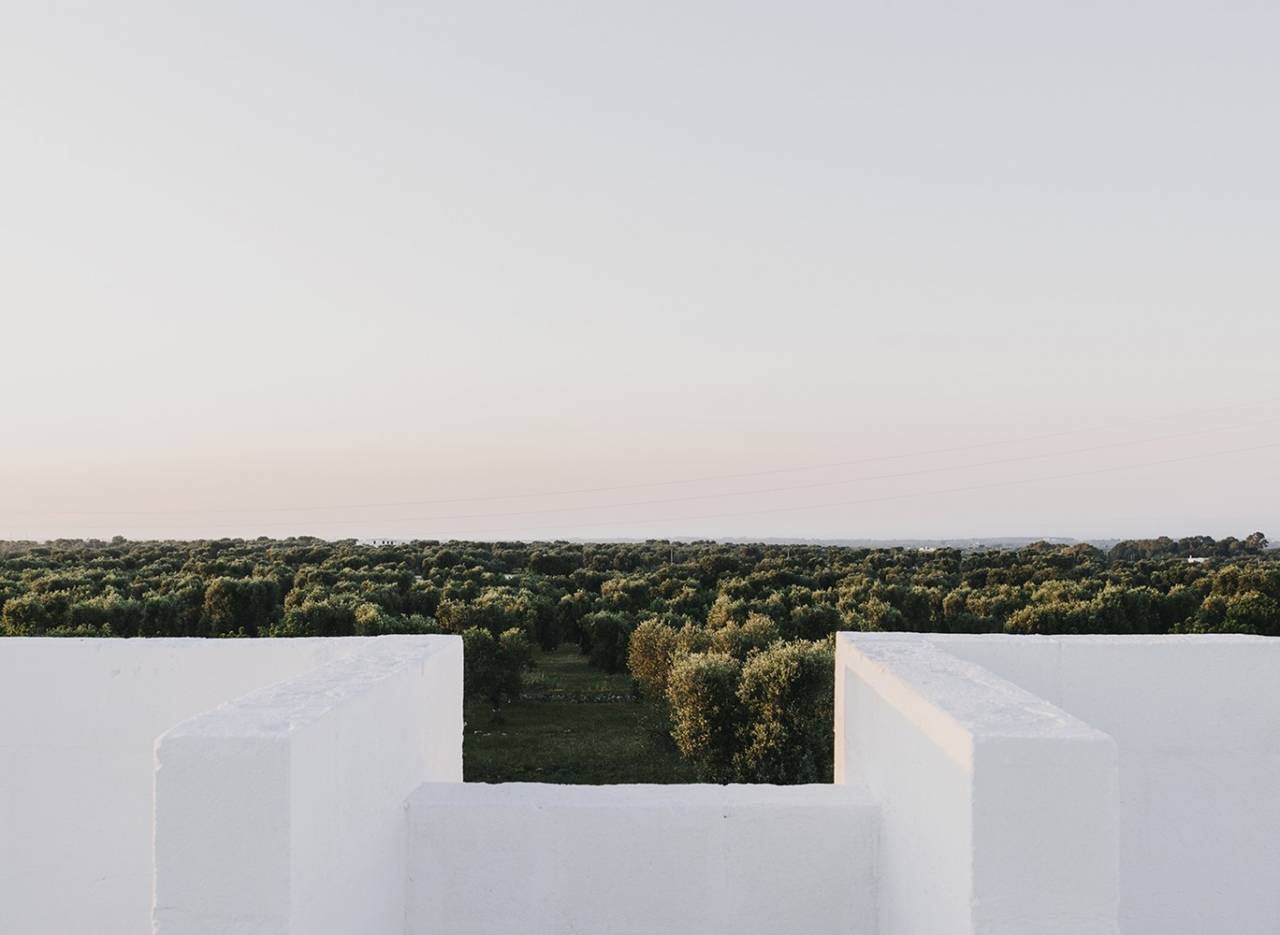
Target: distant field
[{"x": 573, "y": 724}]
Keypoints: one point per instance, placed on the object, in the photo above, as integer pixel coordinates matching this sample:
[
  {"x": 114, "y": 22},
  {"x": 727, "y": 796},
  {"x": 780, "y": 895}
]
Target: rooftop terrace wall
[
  {"x": 998, "y": 810},
  {"x": 78, "y": 724},
  {"x": 284, "y": 811},
  {"x": 637, "y": 859},
  {"x": 1196, "y": 721},
  {"x": 985, "y": 785},
  {"x": 1195, "y": 726}
]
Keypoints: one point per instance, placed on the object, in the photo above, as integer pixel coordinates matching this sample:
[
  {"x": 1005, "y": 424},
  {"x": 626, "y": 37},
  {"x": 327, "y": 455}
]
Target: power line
[
  {"x": 767, "y": 511},
  {"x": 833, "y": 483},
  {"x": 542, "y": 511},
  {"x": 871, "y": 459},
  {"x": 904, "y": 496}
]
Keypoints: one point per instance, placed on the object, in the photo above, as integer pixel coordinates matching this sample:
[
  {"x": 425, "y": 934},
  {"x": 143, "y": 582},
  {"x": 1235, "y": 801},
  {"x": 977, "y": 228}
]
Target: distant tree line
[{"x": 735, "y": 640}]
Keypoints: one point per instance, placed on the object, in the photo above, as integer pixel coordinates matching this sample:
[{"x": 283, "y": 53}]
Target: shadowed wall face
[
  {"x": 1197, "y": 724},
  {"x": 78, "y": 725}
]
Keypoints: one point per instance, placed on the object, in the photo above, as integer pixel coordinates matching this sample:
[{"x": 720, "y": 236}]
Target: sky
[{"x": 570, "y": 269}]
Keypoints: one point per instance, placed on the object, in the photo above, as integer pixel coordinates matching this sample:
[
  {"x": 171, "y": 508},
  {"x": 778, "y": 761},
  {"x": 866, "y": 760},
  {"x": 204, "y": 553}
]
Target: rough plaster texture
[
  {"x": 998, "y": 809},
  {"x": 283, "y": 812},
  {"x": 78, "y": 723},
  {"x": 633, "y": 860},
  {"x": 1197, "y": 723},
  {"x": 986, "y": 785}
]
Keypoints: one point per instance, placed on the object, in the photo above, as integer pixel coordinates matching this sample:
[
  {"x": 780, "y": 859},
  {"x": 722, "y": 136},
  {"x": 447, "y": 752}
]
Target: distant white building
[
  {"x": 381, "y": 541},
  {"x": 1196, "y": 560}
]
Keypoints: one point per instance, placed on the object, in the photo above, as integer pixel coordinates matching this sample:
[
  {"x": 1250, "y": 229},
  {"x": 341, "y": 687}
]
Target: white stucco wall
[
  {"x": 1195, "y": 724},
  {"x": 1196, "y": 720},
  {"x": 986, "y": 785},
  {"x": 284, "y": 811},
  {"x": 78, "y": 723},
  {"x": 541, "y": 859},
  {"x": 998, "y": 809}
]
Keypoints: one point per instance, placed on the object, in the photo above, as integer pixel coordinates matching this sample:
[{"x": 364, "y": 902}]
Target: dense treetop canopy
[
  {"x": 556, "y": 591},
  {"x": 732, "y": 642}
]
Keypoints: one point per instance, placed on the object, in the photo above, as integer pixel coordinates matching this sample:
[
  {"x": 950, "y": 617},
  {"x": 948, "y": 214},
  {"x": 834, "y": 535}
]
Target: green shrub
[
  {"x": 1057, "y": 617},
  {"x": 159, "y": 616},
  {"x": 107, "y": 613},
  {"x": 33, "y": 614},
  {"x": 328, "y": 617},
  {"x": 880, "y": 615},
  {"x": 495, "y": 609},
  {"x": 703, "y": 694},
  {"x": 609, "y": 634},
  {"x": 814, "y": 621},
  {"x": 740, "y": 640},
  {"x": 1253, "y": 612},
  {"x": 241, "y": 606},
  {"x": 650, "y": 654},
  {"x": 692, "y": 639},
  {"x": 493, "y": 667},
  {"x": 369, "y": 619},
  {"x": 517, "y": 653},
  {"x": 82, "y": 631},
  {"x": 1178, "y": 606},
  {"x": 372, "y": 620},
  {"x": 787, "y": 698}
]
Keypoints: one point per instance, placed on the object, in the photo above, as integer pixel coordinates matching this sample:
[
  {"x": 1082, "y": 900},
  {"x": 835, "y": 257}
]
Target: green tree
[
  {"x": 607, "y": 634},
  {"x": 703, "y": 694},
  {"x": 787, "y": 698},
  {"x": 650, "y": 654},
  {"x": 493, "y": 667}
]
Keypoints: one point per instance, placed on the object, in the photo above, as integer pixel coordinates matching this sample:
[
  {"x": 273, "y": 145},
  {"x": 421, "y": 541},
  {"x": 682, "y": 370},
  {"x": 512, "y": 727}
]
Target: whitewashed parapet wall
[
  {"x": 986, "y": 785},
  {"x": 78, "y": 724},
  {"x": 539, "y": 859},
  {"x": 284, "y": 811},
  {"x": 1196, "y": 721},
  {"x": 998, "y": 810},
  {"x": 1078, "y": 784}
]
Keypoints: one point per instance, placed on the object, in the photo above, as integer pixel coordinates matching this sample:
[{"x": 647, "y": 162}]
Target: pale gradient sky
[{"x": 264, "y": 256}]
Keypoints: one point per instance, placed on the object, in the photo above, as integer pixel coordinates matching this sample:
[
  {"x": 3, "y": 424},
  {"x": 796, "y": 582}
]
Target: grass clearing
[{"x": 574, "y": 724}]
